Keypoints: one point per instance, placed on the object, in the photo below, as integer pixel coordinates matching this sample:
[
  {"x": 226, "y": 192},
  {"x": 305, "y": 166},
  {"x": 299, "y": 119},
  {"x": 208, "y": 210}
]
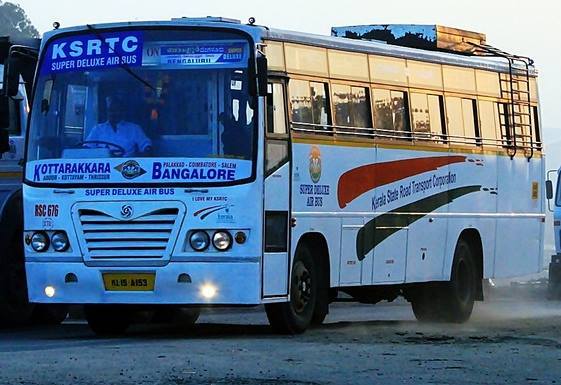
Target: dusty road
[{"x": 508, "y": 341}]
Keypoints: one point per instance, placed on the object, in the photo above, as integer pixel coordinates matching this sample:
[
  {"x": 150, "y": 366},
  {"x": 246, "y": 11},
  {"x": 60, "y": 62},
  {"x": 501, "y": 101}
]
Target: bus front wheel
[
  {"x": 49, "y": 314},
  {"x": 450, "y": 301},
  {"x": 15, "y": 309},
  {"x": 295, "y": 316},
  {"x": 107, "y": 320}
]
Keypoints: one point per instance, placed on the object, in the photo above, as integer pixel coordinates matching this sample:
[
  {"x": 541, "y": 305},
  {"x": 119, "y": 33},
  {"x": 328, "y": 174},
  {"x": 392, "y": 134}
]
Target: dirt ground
[{"x": 513, "y": 338}]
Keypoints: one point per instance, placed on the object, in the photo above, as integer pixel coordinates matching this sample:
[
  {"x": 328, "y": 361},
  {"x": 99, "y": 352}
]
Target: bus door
[
  {"x": 277, "y": 193},
  {"x": 15, "y": 120}
]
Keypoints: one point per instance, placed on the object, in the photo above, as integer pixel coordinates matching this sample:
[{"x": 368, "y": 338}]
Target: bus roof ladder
[{"x": 515, "y": 87}]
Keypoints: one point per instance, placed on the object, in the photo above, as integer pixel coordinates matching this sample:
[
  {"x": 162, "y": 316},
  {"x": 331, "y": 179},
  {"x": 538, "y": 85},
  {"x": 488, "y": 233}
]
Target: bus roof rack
[
  {"x": 428, "y": 37},
  {"x": 207, "y": 19}
]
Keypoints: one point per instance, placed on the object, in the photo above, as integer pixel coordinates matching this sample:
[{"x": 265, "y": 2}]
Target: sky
[{"x": 526, "y": 28}]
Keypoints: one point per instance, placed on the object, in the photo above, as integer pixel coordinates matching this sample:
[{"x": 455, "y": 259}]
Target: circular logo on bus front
[
  {"x": 315, "y": 164},
  {"x": 127, "y": 211},
  {"x": 130, "y": 169}
]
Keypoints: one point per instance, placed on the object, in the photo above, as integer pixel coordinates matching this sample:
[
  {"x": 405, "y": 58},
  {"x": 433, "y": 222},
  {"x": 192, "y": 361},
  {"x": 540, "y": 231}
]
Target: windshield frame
[{"x": 252, "y": 87}]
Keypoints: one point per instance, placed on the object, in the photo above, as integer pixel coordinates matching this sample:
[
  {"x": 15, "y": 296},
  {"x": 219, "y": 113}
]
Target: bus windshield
[{"x": 181, "y": 95}]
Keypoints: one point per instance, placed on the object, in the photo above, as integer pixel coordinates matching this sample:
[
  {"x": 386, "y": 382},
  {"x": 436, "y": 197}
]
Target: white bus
[{"x": 204, "y": 162}]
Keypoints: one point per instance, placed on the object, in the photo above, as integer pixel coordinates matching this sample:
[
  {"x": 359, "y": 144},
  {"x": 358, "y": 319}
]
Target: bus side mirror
[
  {"x": 549, "y": 189},
  {"x": 4, "y": 141},
  {"x": 11, "y": 75},
  {"x": 262, "y": 77}
]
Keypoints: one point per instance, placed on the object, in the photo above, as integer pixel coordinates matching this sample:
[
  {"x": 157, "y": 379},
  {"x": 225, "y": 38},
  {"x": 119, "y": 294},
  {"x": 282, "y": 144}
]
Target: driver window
[{"x": 74, "y": 117}]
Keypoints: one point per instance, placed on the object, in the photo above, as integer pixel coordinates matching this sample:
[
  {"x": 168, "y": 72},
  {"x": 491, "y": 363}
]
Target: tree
[{"x": 15, "y": 23}]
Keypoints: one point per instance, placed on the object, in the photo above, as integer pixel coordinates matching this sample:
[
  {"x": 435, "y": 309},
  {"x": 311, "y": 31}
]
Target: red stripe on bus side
[{"x": 358, "y": 181}]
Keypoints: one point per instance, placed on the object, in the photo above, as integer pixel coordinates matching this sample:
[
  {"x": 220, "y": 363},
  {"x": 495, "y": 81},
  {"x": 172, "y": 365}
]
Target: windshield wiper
[{"x": 121, "y": 65}]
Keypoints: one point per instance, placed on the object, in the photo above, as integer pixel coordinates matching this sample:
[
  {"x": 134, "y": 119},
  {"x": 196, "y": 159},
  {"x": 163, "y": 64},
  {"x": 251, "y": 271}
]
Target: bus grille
[{"x": 145, "y": 237}]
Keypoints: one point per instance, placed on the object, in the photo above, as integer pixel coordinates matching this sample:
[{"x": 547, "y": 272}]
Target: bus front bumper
[{"x": 200, "y": 284}]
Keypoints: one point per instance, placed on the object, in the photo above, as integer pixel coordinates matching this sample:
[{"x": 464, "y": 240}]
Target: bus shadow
[
  {"x": 30, "y": 338},
  {"x": 238, "y": 331}
]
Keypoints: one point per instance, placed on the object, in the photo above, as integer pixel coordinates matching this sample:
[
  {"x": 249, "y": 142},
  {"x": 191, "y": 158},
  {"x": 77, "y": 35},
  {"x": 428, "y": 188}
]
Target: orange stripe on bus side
[{"x": 10, "y": 175}]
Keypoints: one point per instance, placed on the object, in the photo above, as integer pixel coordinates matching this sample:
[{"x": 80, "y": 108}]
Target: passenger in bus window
[{"x": 121, "y": 137}]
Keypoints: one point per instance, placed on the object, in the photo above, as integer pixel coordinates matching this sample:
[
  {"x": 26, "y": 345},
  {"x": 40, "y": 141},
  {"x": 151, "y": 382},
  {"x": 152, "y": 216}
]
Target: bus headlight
[
  {"x": 222, "y": 240},
  {"x": 40, "y": 241},
  {"x": 59, "y": 240},
  {"x": 208, "y": 291},
  {"x": 199, "y": 240}
]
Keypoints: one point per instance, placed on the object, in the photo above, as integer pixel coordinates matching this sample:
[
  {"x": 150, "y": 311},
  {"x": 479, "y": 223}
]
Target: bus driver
[{"x": 128, "y": 139}]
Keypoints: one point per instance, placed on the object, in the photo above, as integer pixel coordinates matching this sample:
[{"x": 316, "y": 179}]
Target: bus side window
[
  {"x": 436, "y": 115},
  {"x": 427, "y": 112},
  {"x": 488, "y": 118},
  {"x": 504, "y": 123},
  {"x": 360, "y": 99},
  {"x": 390, "y": 113},
  {"x": 276, "y": 153},
  {"x": 463, "y": 126},
  {"x": 309, "y": 104},
  {"x": 351, "y": 108},
  {"x": 320, "y": 103},
  {"x": 420, "y": 115},
  {"x": 536, "y": 129},
  {"x": 471, "y": 126},
  {"x": 276, "y": 120},
  {"x": 300, "y": 102}
]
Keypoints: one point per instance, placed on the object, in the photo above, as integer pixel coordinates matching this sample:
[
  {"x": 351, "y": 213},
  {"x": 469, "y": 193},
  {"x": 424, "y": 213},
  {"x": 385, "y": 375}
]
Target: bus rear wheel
[
  {"x": 295, "y": 316},
  {"x": 107, "y": 320},
  {"x": 451, "y": 301}
]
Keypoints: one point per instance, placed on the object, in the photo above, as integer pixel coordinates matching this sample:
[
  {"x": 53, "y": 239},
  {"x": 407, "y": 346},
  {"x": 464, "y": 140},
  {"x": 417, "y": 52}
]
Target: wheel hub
[{"x": 303, "y": 287}]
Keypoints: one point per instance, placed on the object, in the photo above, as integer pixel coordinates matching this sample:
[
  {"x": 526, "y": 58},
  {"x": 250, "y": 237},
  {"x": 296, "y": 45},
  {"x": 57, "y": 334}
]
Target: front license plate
[{"x": 129, "y": 281}]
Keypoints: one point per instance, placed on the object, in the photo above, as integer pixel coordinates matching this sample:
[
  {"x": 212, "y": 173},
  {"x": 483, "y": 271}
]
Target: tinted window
[
  {"x": 390, "y": 111},
  {"x": 352, "y": 106},
  {"x": 308, "y": 102}
]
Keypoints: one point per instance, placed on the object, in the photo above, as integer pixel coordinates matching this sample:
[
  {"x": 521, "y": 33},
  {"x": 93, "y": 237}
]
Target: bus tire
[
  {"x": 15, "y": 309},
  {"x": 295, "y": 316},
  {"x": 49, "y": 314},
  {"x": 449, "y": 301},
  {"x": 459, "y": 294},
  {"x": 107, "y": 320},
  {"x": 426, "y": 304},
  {"x": 321, "y": 309}
]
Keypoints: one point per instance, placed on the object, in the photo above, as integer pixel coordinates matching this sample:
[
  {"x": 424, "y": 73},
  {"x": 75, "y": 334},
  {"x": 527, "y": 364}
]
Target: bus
[
  {"x": 554, "y": 273},
  {"x": 15, "y": 310},
  {"x": 204, "y": 162}
]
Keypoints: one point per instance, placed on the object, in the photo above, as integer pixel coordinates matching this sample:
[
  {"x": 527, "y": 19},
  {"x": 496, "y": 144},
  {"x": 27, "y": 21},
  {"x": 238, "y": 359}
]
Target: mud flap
[{"x": 554, "y": 287}]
